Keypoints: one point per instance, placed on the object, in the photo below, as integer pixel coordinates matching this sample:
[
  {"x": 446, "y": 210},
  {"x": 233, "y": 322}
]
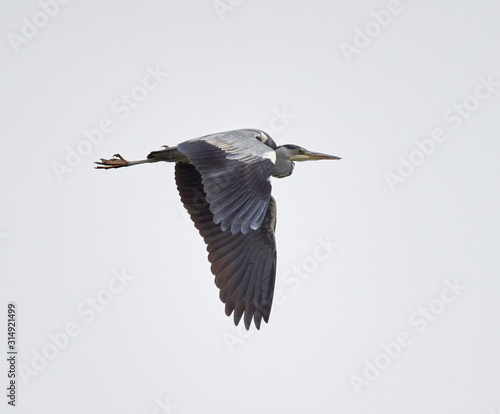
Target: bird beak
[{"x": 319, "y": 156}]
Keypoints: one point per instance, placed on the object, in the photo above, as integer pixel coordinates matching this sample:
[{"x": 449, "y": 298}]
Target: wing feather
[
  {"x": 235, "y": 167},
  {"x": 244, "y": 265}
]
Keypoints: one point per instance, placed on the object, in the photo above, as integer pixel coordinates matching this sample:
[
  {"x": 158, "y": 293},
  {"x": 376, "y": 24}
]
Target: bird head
[{"x": 296, "y": 153}]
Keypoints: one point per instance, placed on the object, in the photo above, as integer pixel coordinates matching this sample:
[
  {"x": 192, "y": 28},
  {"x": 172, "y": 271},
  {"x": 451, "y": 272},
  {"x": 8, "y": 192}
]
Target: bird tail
[{"x": 169, "y": 154}]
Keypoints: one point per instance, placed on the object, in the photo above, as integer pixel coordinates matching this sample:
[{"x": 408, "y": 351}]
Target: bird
[{"x": 223, "y": 180}]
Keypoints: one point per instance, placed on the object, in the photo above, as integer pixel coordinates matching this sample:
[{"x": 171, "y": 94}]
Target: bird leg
[{"x": 118, "y": 161}]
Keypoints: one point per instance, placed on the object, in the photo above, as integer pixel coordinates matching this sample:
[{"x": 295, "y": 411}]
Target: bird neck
[{"x": 283, "y": 167}]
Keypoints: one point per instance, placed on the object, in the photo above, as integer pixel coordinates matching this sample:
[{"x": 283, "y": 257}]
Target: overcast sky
[{"x": 387, "y": 290}]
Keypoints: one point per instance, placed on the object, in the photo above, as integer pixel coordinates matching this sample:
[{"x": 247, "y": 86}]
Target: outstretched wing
[
  {"x": 235, "y": 167},
  {"x": 244, "y": 265}
]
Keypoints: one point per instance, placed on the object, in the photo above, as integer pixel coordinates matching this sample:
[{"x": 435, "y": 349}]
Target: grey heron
[{"x": 224, "y": 183}]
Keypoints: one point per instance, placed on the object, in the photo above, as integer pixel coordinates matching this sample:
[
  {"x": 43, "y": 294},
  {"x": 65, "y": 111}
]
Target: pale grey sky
[{"x": 388, "y": 268}]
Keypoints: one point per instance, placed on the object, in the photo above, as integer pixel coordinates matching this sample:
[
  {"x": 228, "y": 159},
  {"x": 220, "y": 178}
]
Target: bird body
[{"x": 224, "y": 183}]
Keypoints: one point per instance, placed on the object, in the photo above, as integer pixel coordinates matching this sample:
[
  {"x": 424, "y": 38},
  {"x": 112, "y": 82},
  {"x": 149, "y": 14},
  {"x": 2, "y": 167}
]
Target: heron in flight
[{"x": 224, "y": 183}]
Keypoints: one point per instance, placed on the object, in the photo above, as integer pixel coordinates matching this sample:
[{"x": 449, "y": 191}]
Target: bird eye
[{"x": 301, "y": 151}]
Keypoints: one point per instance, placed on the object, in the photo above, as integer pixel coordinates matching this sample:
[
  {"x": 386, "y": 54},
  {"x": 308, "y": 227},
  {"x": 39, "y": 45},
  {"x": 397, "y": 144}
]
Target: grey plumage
[{"x": 224, "y": 183}]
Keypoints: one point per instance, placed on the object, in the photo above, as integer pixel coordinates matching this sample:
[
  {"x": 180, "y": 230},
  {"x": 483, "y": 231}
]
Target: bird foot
[{"x": 116, "y": 162}]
